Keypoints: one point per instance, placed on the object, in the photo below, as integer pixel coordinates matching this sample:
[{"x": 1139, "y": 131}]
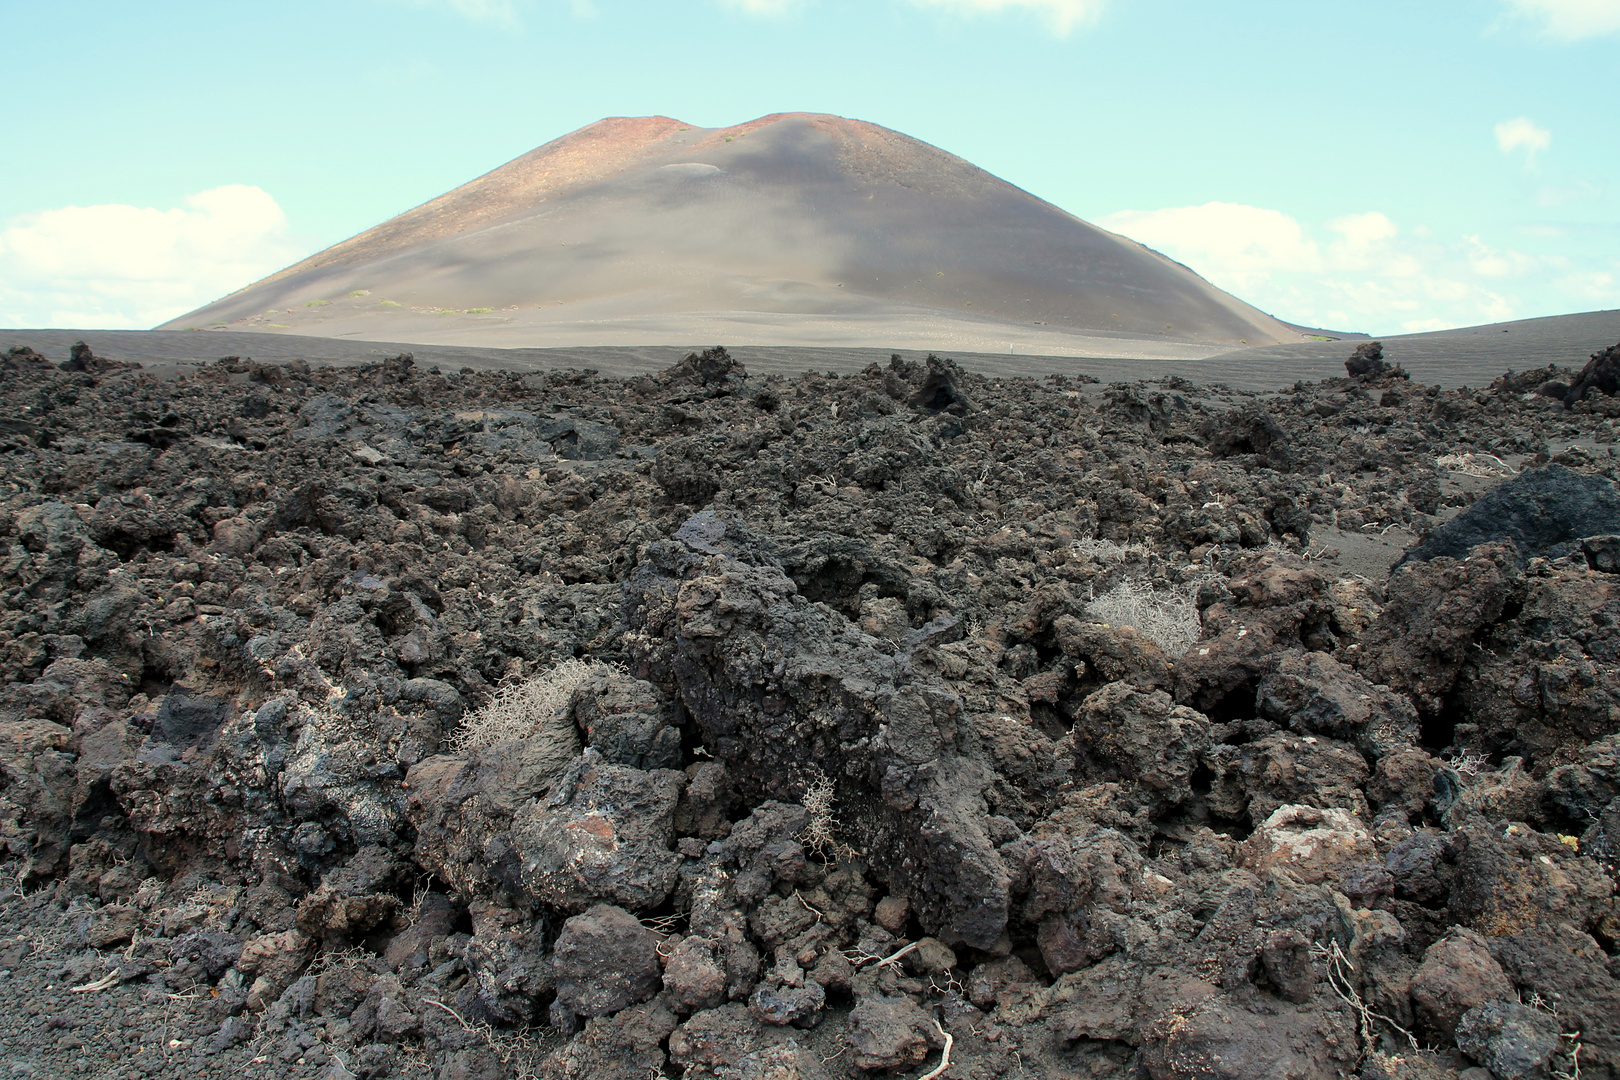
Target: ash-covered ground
[{"x": 388, "y": 722}]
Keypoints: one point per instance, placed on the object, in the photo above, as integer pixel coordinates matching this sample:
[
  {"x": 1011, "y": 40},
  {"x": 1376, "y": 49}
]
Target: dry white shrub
[
  {"x": 1472, "y": 464},
  {"x": 1106, "y": 551},
  {"x": 820, "y": 832},
  {"x": 516, "y": 709},
  {"x": 1168, "y": 617}
]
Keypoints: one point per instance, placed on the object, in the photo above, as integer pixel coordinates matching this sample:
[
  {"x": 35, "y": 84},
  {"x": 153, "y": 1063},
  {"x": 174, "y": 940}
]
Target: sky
[{"x": 1353, "y": 164}]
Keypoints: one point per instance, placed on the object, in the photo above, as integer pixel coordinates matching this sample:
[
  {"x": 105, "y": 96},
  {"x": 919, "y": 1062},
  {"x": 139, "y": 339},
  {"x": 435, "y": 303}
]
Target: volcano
[{"x": 801, "y": 229}]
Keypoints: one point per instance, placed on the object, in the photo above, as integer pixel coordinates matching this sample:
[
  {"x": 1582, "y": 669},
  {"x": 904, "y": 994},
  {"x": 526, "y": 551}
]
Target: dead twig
[
  {"x": 663, "y": 924},
  {"x": 944, "y": 1056},
  {"x": 517, "y": 1045},
  {"x": 107, "y": 980},
  {"x": 1339, "y": 971},
  {"x": 459, "y": 1019},
  {"x": 819, "y": 916},
  {"x": 861, "y": 958}
]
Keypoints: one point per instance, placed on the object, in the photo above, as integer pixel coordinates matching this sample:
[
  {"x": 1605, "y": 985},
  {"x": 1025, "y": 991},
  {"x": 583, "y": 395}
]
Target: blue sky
[{"x": 1366, "y": 165}]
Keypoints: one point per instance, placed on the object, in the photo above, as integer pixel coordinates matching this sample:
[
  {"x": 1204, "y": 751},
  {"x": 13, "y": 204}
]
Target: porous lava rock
[
  {"x": 1601, "y": 373},
  {"x": 1083, "y": 725},
  {"x": 1541, "y": 511},
  {"x": 604, "y": 960}
]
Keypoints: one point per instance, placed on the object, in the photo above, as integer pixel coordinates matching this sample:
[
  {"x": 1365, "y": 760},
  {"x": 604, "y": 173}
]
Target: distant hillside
[{"x": 796, "y": 215}]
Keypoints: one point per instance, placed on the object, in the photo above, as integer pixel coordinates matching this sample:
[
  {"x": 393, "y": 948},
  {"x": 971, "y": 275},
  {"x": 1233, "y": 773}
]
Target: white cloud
[
  {"x": 1364, "y": 233},
  {"x": 762, "y": 7},
  {"x": 499, "y": 12},
  {"x": 1062, "y": 15},
  {"x": 1244, "y": 241},
  {"x": 118, "y": 266},
  {"x": 1368, "y": 241},
  {"x": 496, "y": 11},
  {"x": 1599, "y": 287},
  {"x": 1576, "y": 191},
  {"x": 492, "y": 10},
  {"x": 504, "y": 13},
  {"x": 1521, "y": 134},
  {"x": 1365, "y": 272},
  {"x": 1570, "y": 20}
]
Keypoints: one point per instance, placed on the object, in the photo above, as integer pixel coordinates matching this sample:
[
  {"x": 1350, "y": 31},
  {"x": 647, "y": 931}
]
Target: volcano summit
[{"x": 793, "y": 229}]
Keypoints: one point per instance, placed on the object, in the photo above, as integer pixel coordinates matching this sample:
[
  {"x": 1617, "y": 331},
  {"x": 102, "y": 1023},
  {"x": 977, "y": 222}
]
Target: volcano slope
[
  {"x": 387, "y": 722},
  {"x": 797, "y": 228}
]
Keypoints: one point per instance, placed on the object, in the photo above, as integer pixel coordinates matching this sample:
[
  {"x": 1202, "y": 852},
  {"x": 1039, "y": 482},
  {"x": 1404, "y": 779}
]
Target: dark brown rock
[
  {"x": 1367, "y": 361},
  {"x": 1457, "y": 974},
  {"x": 1545, "y": 683},
  {"x": 1281, "y": 768},
  {"x": 1144, "y": 737},
  {"x": 1558, "y": 963},
  {"x": 1276, "y": 603},
  {"x": 1314, "y": 694},
  {"x": 1512, "y": 878},
  {"x": 889, "y": 1033},
  {"x": 352, "y": 899},
  {"x": 605, "y": 960},
  {"x": 1601, "y": 373},
  {"x": 605, "y": 835},
  {"x": 1403, "y": 780},
  {"x": 1281, "y": 1042},
  {"x": 1431, "y": 613},
  {"x": 1115, "y": 653},
  {"x": 1286, "y": 959},
  {"x": 693, "y": 977},
  {"x": 1512, "y": 1040}
]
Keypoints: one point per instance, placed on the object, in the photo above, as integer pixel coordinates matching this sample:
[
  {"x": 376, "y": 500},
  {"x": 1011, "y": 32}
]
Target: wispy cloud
[
  {"x": 1577, "y": 190},
  {"x": 1521, "y": 134},
  {"x": 495, "y": 11},
  {"x": 1598, "y": 288},
  {"x": 125, "y": 266},
  {"x": 504, "y": 13},
  {"x": 1569, "y": 20},
  {"x": 1242, "y": 241},
  {"x": 1063, "y": 16},
  {"x": 1362, "y": 271},
  {"x": 769, "y": 8}
]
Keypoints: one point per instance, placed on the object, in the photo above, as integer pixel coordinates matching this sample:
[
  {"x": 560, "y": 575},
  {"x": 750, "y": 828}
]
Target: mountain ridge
[{"x": 791, "y": 215}]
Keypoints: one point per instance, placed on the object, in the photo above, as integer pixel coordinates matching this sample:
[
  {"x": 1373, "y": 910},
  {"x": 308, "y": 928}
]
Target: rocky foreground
[{"x": 380, "y": 722}]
